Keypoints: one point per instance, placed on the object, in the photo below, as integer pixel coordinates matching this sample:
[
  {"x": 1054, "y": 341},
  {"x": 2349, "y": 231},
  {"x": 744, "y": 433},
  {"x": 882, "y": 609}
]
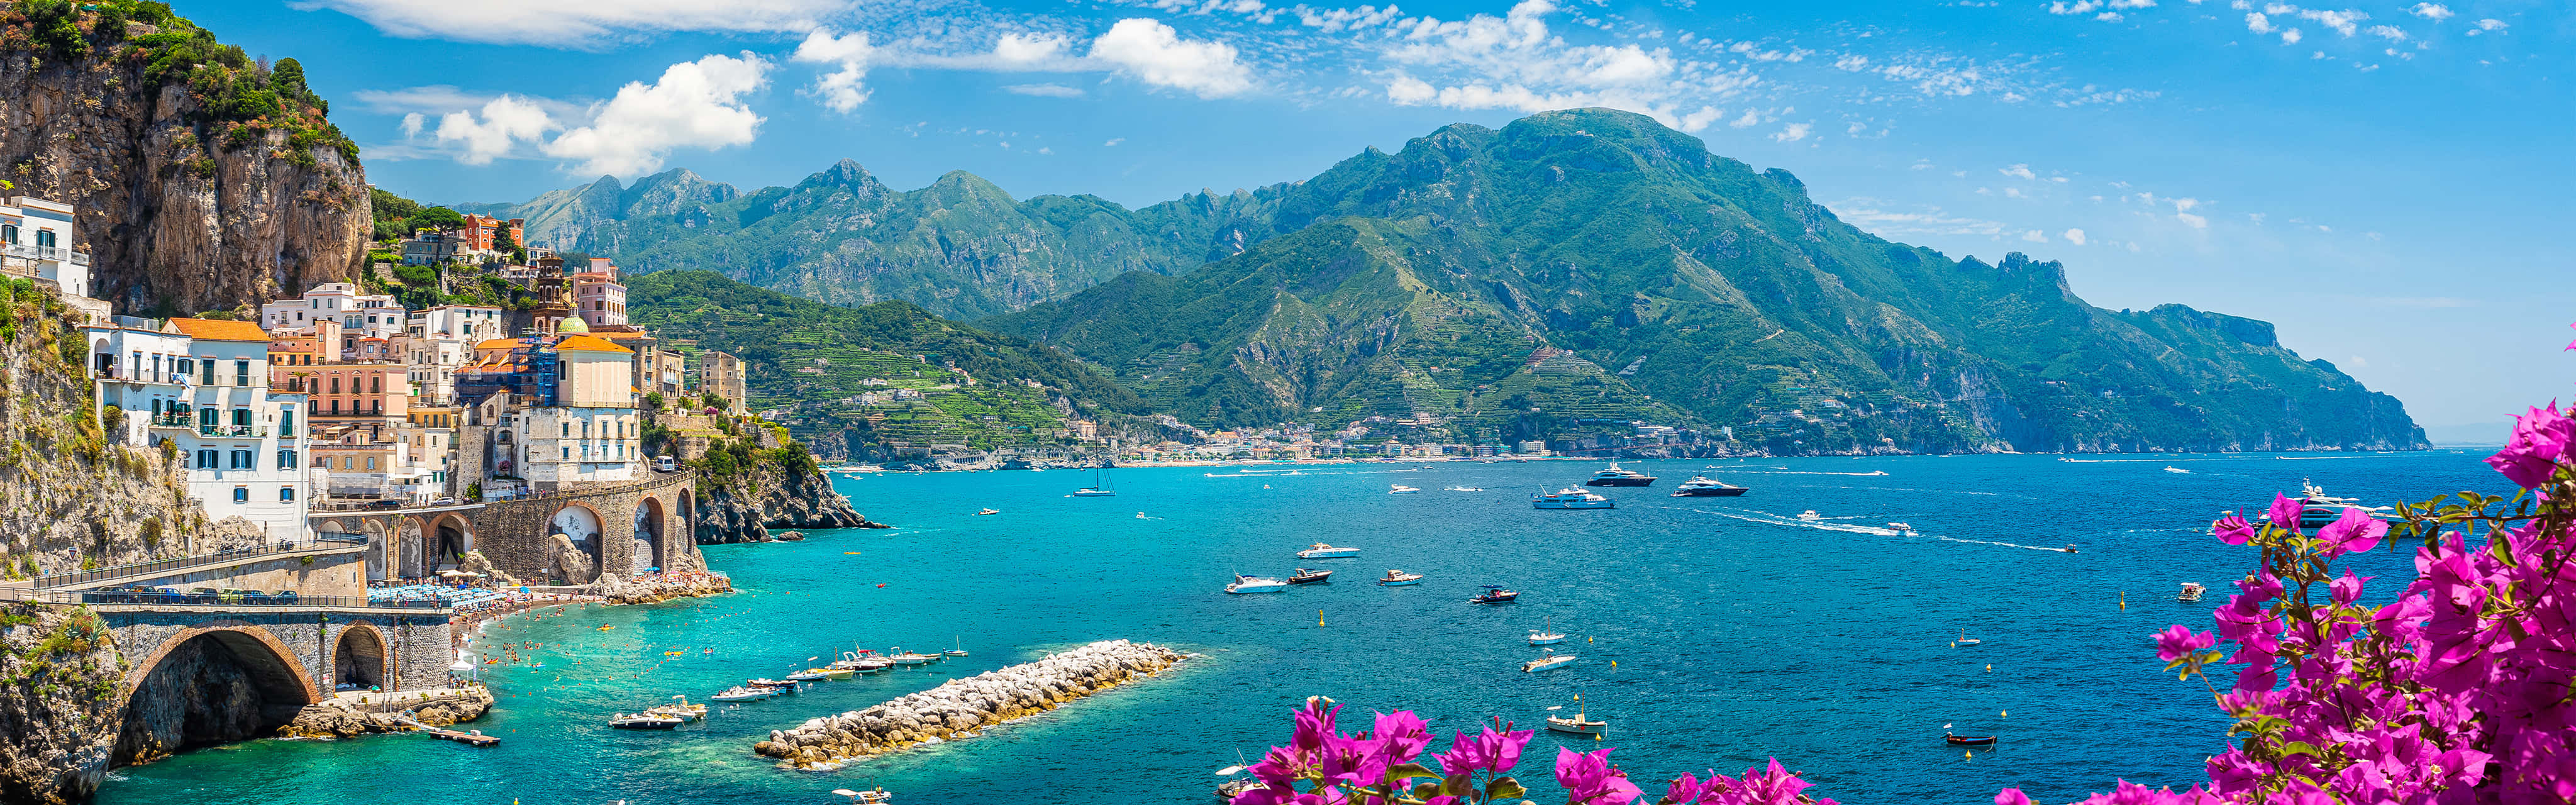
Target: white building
[
  {"x": 360, "y": 315},
  {"x": 36, "y": 241},
  {"x": 441, "y": 340},
  {"x": 202, "y": 385},
  {"x": 591, "y": 434}
]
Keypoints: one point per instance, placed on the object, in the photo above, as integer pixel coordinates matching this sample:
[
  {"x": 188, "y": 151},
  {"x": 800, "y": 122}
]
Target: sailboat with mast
[
  {"x": 1546, "y": 634},
  {"x": 1580, "y": 724},
  {"x": 1099, "y": 487}
]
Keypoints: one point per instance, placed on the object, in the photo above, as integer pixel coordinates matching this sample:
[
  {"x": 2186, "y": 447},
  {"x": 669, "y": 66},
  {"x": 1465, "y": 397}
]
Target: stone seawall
[
  {"x": 962, "y": 707},
  {"x": 353, "y": 715}
]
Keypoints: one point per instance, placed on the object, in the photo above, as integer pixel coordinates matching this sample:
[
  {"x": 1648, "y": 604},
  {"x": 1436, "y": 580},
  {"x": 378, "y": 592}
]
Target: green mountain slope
[
  {"x": 960, "y": 247},
  {"x": 1721, "y": 291},
  {"x": 873, "y": 380}
]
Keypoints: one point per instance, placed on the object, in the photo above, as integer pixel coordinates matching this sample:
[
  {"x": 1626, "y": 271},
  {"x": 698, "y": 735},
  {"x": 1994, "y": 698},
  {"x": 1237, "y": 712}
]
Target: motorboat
[
  {"x": 1580, "y": 724},
  {"x": 1903, "y": 530},
  {"x": 1235, "y": 787},
  {"x": 956, "y": 647},
  {"x": 1398, "y": 578},
  {"x": 2170, "y": 468},
  {"x": 1570, "y": 498},
  {"x": 1400, "y": 489},
  {"x": 812, "y": 675},
  {"x": 1253, "y": 584},
  {"x": 1099, "y": 487},
  {"x": 1305, "y": 576},
  {"x": 1617, "y": 476},
  {"x": 1810, "y": 515},
  {"x": 643, "y": 721},
  {"x": 2191, "y": 591},
  {"x": 1970, "y": 740},
  {"x": 683, "y": 710},
  {"x": 739, "y": 693},
  {"x": 828, "y": 672},
  {"x": 1547, "y": 662},
  {"x": 1322, "y": 551},
  {"x": 780, "y": 685},
  {"x": 862, "y": 661},
  {"x": 1546, "y": 633},
  {"x": 2316, "y": 508},
  {"x": 988, "y": 511},
  {"x": 1462, "y": 488},
  {"x": 902, "y": 657},
  {"x": 874, "y": 796},
  {"x": 1699, "y": 486},
  {"x": 1494, "y": 595}
]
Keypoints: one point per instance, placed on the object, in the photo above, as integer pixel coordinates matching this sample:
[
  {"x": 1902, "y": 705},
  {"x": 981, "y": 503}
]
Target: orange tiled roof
[
  {"x": 500, "y": 343},
  {"x": 219, "y": 330},
  {"x": 588, "y": 343}
]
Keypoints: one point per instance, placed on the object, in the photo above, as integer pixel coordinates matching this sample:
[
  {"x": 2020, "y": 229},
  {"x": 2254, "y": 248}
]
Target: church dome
[{"x": 572, "y": 324}]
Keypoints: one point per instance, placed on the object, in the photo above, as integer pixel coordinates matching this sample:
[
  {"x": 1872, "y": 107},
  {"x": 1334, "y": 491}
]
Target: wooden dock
[{"x": 476, "y": 739}]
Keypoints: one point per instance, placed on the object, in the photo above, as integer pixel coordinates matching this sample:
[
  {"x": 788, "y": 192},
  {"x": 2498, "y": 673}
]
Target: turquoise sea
[{"x": 1737, "y": 632}]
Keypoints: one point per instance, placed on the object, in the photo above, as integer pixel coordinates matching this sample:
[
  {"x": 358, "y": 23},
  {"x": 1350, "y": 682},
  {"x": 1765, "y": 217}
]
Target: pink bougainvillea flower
[
  {"x": 2347, "y": 589},
  {"x": 2013, "y": 796},
  {"x": 1496, "y": 751},
  {"x": 2233, "y": 530},
  {"x": 1401, "y": 736},
  {"x": 1589, "y": 779},
  {"x": 2285, "y": 511},
  {"x": 2356, "y": 530},
  {"x": 2177, "y": 642},
  {"x": 1683, "y": 790},
  {"x": 2540, "y": 439}
]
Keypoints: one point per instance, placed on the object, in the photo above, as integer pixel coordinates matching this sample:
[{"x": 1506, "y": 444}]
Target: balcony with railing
[
  {"x": 59, "y": 254},
  {"x": 233, "y": 431}
]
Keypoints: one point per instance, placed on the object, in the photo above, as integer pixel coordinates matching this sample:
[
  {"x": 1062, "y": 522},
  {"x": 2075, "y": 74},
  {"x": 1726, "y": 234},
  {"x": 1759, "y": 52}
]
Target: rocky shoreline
[
  {"x": 964, "y": 707},
  {"x": 352, "y": 715}
]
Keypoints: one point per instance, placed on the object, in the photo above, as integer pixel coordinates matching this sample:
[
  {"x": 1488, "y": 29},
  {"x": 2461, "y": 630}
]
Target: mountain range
[{"x": 1570, "y": 270}]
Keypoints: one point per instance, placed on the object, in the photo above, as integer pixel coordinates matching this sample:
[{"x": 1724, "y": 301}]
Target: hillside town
[{"x": 343, "y": 399}]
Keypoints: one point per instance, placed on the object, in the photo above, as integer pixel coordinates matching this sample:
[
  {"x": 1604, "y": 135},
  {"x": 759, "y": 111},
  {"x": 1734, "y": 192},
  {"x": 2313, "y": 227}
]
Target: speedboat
[
  {"x": 1398, "y": 578},
  {"x": 1305, "y": 576},
  {"x": 1902, "y": 530},
  {"x": 1699, "y": 486},
  {"x": 988, "y": 511},
  {"x": 1965, "y": 640},
  {"x": 1810, "y": 515},
  {"x": 1462, "y": 488},
  {"x": 876, "y": 796},
  {"x": 643, "y": 721},
  {"x": 1570, "y": 498},
  {"x": 1547, "y": 662},
  {"x": 740, "y": 693},
  {"x": 1322, "y": 551},
  {"x": 683, "y": 710},
  {"x": 2177, "y": 469},
  {"x": 778, "y": 685},
  {"x": 1253, "y": 584},
  {"x": 1615, "y": 476},
  {"x": 862, "y": 661},
  {"x": 1400, "y": 489},
  {"x": 1546, "y": 634},
  {"x": 902, "y": 657},
  {"x": 2191, "y": 591},
  {"x": 832, "y": 673},
  {"x": 1494, "y": 595},
  {"x": 813, "y": 674}
]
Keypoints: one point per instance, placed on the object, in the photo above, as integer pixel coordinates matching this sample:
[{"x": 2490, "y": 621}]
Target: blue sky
[{"x": 2385, "y": 181}]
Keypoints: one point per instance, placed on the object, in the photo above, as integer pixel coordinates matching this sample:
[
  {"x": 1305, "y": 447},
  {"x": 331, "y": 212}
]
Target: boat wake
[
  {"x": 1805, "y": 472},
  {"x": 1768, "y": 518}
]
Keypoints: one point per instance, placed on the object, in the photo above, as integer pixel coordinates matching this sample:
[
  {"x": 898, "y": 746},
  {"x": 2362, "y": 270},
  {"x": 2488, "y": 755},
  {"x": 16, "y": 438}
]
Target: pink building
[{"x": 598, "y": 297}]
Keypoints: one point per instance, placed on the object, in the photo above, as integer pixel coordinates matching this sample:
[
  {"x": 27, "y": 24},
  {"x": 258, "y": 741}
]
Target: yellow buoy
[
  {"x": 1990, "y": 668},
  {"x": 1319, "y": 617},
  {"x": 2002, "y": 714},
  {"x": 1969, "y": 755},
  {"x": 1614, "y": 665}
]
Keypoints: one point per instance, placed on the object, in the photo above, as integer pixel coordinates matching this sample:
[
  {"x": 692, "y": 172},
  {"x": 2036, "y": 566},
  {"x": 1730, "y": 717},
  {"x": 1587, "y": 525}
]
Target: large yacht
[
  {"x": 2318, "y": 508},
  {"x": 1615, "y": 476},
  {"x": 1570, "y": 498},
  {"x": 1699, "y": 486},
  {"x": 1322, "y": 551}
]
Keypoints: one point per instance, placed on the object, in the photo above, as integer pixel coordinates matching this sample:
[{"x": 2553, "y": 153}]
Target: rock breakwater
[
  {"x": 964, "y": 706},
  {"x": 354, "y": 715}
]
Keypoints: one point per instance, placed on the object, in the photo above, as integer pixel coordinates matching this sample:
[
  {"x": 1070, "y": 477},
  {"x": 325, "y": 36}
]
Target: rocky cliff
[
  {"x": 771, "y": 496},
  {"x": 203, "y": 180},
  {"x": 58, "y": 715}
]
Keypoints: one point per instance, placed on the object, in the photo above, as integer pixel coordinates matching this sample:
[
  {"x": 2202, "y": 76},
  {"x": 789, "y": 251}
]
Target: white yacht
[
  {"x": 1400, "y": 489},
  {"x": 1547, "y": 662},
  {"x": 1546, "y": 634},
  {"x": 1252, "y": 584},
  {"x": 1570, "y": 498},
  {"x": 902, "y": 657},
  {"x": 1810, "y": 515},
  {"x": 1322, "y": 551},
  {"x": 1903, "y": 530}
]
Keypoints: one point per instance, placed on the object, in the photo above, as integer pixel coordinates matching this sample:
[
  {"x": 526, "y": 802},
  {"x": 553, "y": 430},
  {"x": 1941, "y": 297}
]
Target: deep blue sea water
[{"x": 1737, "y": 632}]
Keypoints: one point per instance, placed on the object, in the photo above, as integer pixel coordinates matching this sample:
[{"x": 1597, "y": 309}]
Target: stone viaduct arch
[
  {"x": 222, "y": 680},
  {"x": 363, "y": 658}
]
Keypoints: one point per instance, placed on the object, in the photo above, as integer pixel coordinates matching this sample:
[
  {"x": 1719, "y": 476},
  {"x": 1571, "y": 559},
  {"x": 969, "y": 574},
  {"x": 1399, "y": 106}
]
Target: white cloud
[
  {"x": 2343, "y": 22},
  {"x": 1044, "y": 90},
  {"x": 1793, "y": 132},
  {"x": 2075, "y": 236},
  {"x": 505, "y": 121},
  {"x": 1113, "y": 142},
  {"x": 2255, "y": 21},
  {"x": 841, "y": 90},
  {"x": 696, "y": 104},
  {"x": 2184, "y": 204},
  {"x": 1030, "y": 49},
  {"x": 2018, "y": 171},
  {"x": 2291, "y": 37},
  {"x": 411, "y": 123},
  {"x": 1154, "y": 53},
  {"x": 2193, "y": 221},
  {"x": 1852, "y": 64},
  {"x": 2012, "y": 192},
  {"x": 574, "y": 23},
  {"x": 2388, "y": 32},
  {"x": 1871, "y": 215},
  {"x": 2035, "y": 236},
  {"x": 2490, "y": 24},
  {"x": 2431, "y": 11}
]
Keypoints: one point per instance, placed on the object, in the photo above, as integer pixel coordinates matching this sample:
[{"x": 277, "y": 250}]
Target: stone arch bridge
[{"x": 569, "y": 536}]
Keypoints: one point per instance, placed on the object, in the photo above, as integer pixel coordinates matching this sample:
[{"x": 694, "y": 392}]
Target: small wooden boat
[
  {"x": 1546, "y": 634},
  {"x": 1547, "y": 662},
  {"x": 958, "y": 647},
  {"x": 2191, "y": 591},
  {"x": 1970, "y": 740},
  {"x": 1398, "y": 578},
  {"x": 643, "y": 721},
  {"x": 1494, "y": 595},
  {"x": 1305, "y": 576},
  {"x": 1579, "y": 724}
]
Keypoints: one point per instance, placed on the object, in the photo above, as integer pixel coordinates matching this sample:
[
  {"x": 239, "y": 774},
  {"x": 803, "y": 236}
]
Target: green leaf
[
  {"x": 1503, "y": 787},
  {"x": 2301, "y": 748},
  {"x": 1458, "y": 785},
  {"x": 1411, "y": 770}
]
